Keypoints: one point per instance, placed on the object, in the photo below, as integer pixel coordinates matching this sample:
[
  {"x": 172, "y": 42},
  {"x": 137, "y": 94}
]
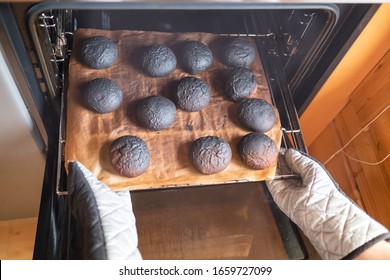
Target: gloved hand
[
  {"x": 106, "y": 217},
  {"x": 335, "y": 225}
]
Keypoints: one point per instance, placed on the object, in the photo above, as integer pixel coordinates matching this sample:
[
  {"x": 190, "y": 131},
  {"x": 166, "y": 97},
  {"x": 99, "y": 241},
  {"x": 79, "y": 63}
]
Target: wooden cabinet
[{"x": 363, "y": 122}]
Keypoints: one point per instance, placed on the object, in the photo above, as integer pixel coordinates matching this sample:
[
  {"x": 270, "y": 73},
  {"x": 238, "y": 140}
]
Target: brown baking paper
[{"x": 89, "y": 134}]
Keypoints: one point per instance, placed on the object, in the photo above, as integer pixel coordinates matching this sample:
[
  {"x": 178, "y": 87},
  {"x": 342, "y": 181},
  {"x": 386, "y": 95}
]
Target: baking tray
[{"x": 89, "y": 135}]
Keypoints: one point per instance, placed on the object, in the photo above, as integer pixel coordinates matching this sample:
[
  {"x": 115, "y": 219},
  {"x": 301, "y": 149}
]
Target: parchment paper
[{"x": 89, "y": 134}]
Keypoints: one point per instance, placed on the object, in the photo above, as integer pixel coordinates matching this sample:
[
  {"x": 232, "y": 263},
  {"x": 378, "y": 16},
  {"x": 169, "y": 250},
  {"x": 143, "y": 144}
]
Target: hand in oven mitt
[
  {"x": 335, "y": 225},
  {"x": 106, "y": 217}
]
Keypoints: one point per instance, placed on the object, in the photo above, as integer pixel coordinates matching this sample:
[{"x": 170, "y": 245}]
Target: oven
[{"x": 299, "y": 46}]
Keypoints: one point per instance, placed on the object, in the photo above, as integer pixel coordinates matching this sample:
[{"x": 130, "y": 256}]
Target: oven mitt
[
  {"x": 106, "y": 217},
  {"x": 334, "y": 224}
]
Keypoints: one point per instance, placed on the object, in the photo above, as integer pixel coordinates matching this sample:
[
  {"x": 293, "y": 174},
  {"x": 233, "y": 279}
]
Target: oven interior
[{"x": 291, "y": 40}]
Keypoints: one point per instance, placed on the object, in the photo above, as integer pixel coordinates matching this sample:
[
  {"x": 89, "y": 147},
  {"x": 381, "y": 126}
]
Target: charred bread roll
[
  {"x": 240, "y": 84},
  {"x": 210, "y": 154},
  {"x": 256, "y": 114},
  {"x": 158, "y": 61},
  {"x": 192, "y": 94},
  {"x": 197, "y": 57},
  {"x": 156, "y": 112},
  {"x": 103, "y": 95},
  {"x": 129, "y": 155},
  {"x": 238, "y": 52},
  {"x": 99, "y": 52},
  {"x": 257, "y": 150}
]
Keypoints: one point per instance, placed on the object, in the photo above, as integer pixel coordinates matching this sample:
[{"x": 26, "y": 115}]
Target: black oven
[{"x": 299, "y": 45}]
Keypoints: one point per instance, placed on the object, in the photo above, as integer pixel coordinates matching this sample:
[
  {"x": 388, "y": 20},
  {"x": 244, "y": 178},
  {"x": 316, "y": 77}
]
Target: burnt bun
[
  {"x": 192, "y": 94},
  {"x": 238, "y": 52},
  {"x": 196, "y": 58},
  {"x": 210, "y": 154},
  {"x": 103, "y": 95},
  {"x": 240, "y": 84},
  {"x": 98, "y": 52},
  {"x": 256, "y": 114},
  {"x": 129, "y": 155},
  {"x": 158, "y": 60},
  {"x": 156, "y": 112},
  {"x": 257, "y": 150}
]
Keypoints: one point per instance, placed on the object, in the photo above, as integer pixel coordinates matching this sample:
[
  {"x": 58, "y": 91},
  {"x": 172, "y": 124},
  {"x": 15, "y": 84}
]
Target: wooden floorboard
[{"x": 17, "y": 239}]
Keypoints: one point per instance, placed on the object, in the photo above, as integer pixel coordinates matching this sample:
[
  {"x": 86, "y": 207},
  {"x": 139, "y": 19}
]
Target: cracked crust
[
  {"x": 103, "y": 95},
  {"x": 156, "y": 112},
  {"x": 99, "y": 52},
  {"x": 210, "y": 154},
  {"x": 129, "y": 155},
  {"x": 192, "y": 94},
  {"x": 238, "y": 53},
  {"x": 158, "y": 61},
  {"x": 257, "y": 150},
  {"x": 241, "y": 83},
  {"x": 197, "y": 57},
  {"x": 256, "y": 114}
]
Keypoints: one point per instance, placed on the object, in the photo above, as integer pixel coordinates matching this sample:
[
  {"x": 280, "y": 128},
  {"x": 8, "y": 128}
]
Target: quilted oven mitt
[
  {"x": 106, "y": 217},
  {"x": 334, "y": 224}
]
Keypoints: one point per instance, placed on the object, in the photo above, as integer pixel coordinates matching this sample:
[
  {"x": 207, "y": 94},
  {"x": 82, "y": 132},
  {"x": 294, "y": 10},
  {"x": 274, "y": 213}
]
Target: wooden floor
[{"x": 17, "y": 239}]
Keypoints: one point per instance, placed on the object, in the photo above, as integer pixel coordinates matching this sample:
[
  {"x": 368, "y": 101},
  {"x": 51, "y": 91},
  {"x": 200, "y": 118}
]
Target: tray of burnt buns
[{"x": 154, "y": 109}]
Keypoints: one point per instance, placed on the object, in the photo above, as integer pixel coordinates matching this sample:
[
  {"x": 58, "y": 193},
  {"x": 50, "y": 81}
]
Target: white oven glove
[{"x": 334, "y": 224}]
